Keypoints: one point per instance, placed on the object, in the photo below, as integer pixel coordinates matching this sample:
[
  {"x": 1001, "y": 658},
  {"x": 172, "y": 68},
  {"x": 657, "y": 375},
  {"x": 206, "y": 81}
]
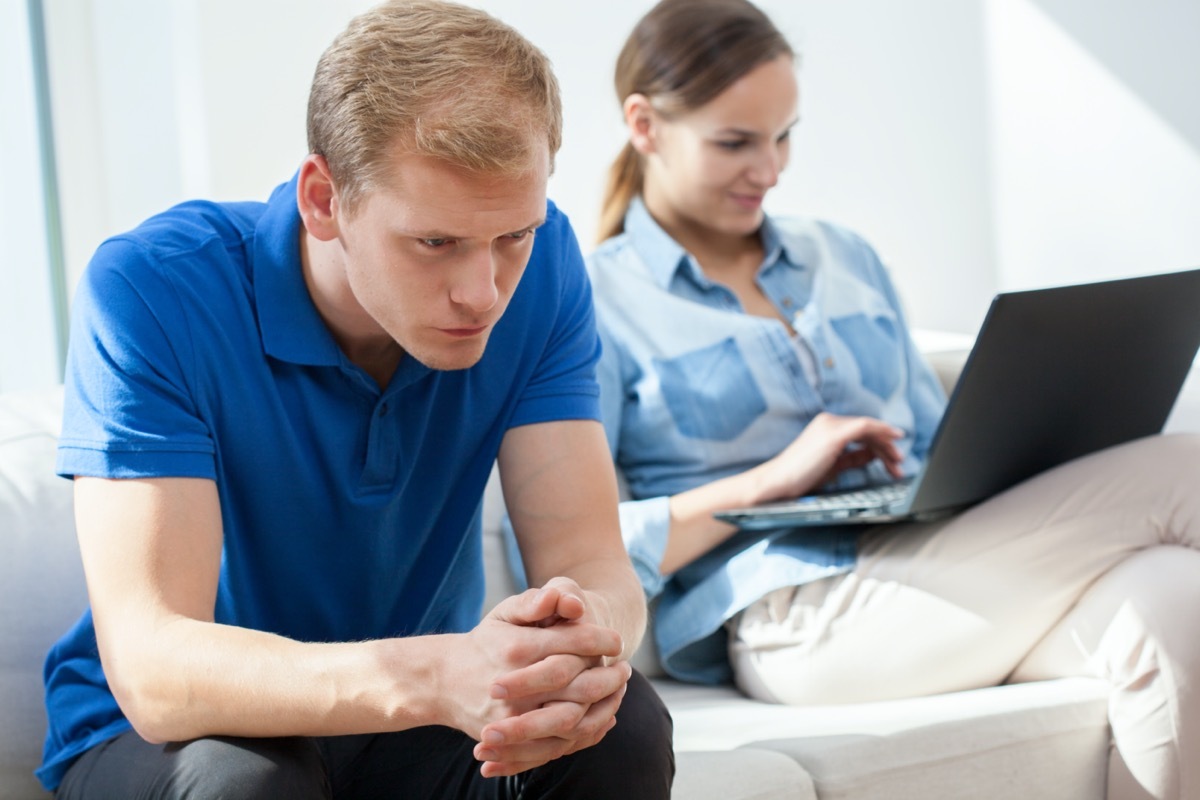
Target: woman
[{"x": 750, "y": 358}]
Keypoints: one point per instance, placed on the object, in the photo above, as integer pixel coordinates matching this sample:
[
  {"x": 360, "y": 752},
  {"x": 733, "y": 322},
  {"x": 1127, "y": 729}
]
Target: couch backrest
[{"x": 41, "y": 581}]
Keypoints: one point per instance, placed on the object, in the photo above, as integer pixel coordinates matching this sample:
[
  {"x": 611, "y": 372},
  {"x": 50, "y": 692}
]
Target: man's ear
[
  {"x": 641, "y": 120},
  {"x": 317, "y": 198}
]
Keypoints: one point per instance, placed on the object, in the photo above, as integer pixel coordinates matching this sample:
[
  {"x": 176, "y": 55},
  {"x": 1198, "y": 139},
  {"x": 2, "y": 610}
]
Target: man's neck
[{"x": 357, "y": 335}]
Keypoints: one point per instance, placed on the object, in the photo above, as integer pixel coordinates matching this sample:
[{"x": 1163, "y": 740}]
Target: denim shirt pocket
[
  {"x": 875, "y": 343},
  {"x": 711, "y": 393}
]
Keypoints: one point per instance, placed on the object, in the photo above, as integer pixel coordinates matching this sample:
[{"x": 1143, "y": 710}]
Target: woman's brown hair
[{"x": 682, "y": 54}]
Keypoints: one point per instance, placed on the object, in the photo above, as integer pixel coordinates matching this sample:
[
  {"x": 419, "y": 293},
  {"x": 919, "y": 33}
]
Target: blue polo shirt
[{"x": 349, "y": 511}]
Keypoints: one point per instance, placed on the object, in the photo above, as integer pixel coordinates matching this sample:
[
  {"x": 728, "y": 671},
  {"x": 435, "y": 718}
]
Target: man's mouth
[{"x": 464, "y": 333}]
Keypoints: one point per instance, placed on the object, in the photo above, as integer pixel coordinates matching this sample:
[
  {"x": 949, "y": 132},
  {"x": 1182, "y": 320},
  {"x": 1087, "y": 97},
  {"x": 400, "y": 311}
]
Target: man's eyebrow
[
  {"x": 436, "y": 234},
  {"x": 533, "y": 226}
]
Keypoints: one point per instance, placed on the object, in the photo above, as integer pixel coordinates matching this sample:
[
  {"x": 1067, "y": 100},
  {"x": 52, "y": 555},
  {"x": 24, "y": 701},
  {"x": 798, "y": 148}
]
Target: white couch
[{"x": 1045, "y": 740}]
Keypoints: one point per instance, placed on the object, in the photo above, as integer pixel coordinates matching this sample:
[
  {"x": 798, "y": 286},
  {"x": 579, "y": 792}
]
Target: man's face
[{"x": 434, "y": 256}]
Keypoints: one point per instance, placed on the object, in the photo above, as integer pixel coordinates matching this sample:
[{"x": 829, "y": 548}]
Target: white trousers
[{"x": 1092, "y": 568}]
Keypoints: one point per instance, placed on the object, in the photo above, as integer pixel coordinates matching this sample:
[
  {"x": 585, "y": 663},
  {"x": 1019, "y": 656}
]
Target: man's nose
[{"x": 475, "y": 283}]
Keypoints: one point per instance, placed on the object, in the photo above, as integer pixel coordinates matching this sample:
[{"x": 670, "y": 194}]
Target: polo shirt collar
[{"x": 291, "y": 328}]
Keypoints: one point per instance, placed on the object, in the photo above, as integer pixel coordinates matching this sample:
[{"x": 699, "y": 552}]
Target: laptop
[{"x": 1054, "y": 374}]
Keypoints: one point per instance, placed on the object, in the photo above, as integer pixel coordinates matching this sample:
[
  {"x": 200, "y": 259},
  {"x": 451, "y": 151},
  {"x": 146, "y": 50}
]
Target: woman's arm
[
  {"x": 663, "y": 537},
  {"x": 821, "y": 451}
]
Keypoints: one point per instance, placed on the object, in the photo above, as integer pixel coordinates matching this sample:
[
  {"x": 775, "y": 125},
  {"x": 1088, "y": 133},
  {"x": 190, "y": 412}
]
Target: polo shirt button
[
  {"x": 383, "y": 409},
  {"x": 829, "y": 363},
  {"x": 787, "y": 302}
]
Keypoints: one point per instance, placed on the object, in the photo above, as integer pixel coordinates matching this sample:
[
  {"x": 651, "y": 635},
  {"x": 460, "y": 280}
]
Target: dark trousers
[{"x": 634, "y": 760}]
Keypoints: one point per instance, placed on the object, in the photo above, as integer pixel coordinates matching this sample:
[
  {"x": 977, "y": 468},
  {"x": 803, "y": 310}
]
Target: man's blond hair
[{"x": 433, "y": 78}]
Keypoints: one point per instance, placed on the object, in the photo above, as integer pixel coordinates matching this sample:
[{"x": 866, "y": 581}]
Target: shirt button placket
[{"x": 382, "y": 448}]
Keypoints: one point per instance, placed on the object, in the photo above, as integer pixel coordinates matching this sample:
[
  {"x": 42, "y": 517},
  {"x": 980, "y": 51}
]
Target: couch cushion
[
  {"x": 743, "y": 774},
  {"x": 41, "y": 580},
  {"x": 1036, "y": 740}
]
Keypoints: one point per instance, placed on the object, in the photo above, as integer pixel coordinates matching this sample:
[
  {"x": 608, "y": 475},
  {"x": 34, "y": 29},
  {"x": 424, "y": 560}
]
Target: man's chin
[{"x": 459, "y": 356}]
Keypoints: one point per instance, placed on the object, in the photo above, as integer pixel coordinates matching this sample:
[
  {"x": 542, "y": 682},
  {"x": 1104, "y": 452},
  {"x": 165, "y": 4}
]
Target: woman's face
[{"x": 711, "y": 167}]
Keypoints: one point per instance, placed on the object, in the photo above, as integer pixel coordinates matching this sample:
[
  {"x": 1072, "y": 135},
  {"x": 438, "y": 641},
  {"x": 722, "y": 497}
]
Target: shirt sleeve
[
  {"x": 563, "y": 385},
  {"x": 645, "y": 524},
  {"x": 128, "y": 409}
]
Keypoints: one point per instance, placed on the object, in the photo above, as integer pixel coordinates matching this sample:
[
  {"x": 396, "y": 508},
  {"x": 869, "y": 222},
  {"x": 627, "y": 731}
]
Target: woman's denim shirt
[{"x": 694, "y": 389}]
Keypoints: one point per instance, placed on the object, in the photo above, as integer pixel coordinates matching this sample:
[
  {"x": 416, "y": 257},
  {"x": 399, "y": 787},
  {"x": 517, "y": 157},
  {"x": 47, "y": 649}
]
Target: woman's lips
[{"x": 751, "y": 202}]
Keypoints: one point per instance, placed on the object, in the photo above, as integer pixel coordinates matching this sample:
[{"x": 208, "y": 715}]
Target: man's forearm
[{"x": 193, "y": 678}]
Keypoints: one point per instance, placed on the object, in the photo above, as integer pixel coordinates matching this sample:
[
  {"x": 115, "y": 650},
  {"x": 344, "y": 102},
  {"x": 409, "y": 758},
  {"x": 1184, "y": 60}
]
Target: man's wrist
[
  {"x": 627, "y": 626},
  {"x": 417, "y": 677}
]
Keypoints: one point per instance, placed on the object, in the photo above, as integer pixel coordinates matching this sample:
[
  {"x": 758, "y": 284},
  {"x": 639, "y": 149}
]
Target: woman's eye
[{"x": 731, "y": 144}]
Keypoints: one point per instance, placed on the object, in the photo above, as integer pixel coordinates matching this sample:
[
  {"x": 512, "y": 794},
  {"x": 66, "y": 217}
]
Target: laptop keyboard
[{"x": 867, "y": 497}]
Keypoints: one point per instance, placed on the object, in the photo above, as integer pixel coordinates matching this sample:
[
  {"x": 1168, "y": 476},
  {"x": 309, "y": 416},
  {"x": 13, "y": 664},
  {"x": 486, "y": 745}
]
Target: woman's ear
[
  {"x": 641, "y": 120},
  {"x": 317, "y": 198}
]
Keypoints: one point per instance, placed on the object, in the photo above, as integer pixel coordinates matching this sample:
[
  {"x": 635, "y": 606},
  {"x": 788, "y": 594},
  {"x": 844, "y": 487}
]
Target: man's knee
[
  {"x": 636, "y": 758},
  {"x": 247, "y": 768},
  {"x": 644, "y": 729}
]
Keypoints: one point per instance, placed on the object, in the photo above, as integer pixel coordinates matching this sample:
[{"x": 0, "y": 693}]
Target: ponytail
[{"x": 624, "y": 184}]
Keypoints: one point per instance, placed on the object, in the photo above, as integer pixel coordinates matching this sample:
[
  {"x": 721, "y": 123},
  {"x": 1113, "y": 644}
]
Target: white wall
[
  {"x": 979, "y": 144},
  {"x": 28, "y": 347},
  {"x": 1096, "y": 154},
  {"x": 894, "y": 143},
  {"x": 158, "y": 101}
]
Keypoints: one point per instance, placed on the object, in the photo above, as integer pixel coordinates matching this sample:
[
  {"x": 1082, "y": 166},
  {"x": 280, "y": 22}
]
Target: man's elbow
[{"x": 152, "y": 700}]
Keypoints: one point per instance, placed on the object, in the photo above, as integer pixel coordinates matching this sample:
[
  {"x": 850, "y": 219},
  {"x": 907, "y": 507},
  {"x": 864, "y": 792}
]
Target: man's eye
[
  {"x": 520, "y": 234},
  {"x": 435, "y": 243}
]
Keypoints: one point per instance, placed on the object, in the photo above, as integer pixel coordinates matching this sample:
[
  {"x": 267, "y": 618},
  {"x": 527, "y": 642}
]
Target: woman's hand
[{"x": 828, "y": 445}]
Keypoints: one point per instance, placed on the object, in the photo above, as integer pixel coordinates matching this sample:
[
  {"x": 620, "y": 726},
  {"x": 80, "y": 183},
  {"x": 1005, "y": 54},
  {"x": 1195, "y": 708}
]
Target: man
[{"x": 280, "y": 420}]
